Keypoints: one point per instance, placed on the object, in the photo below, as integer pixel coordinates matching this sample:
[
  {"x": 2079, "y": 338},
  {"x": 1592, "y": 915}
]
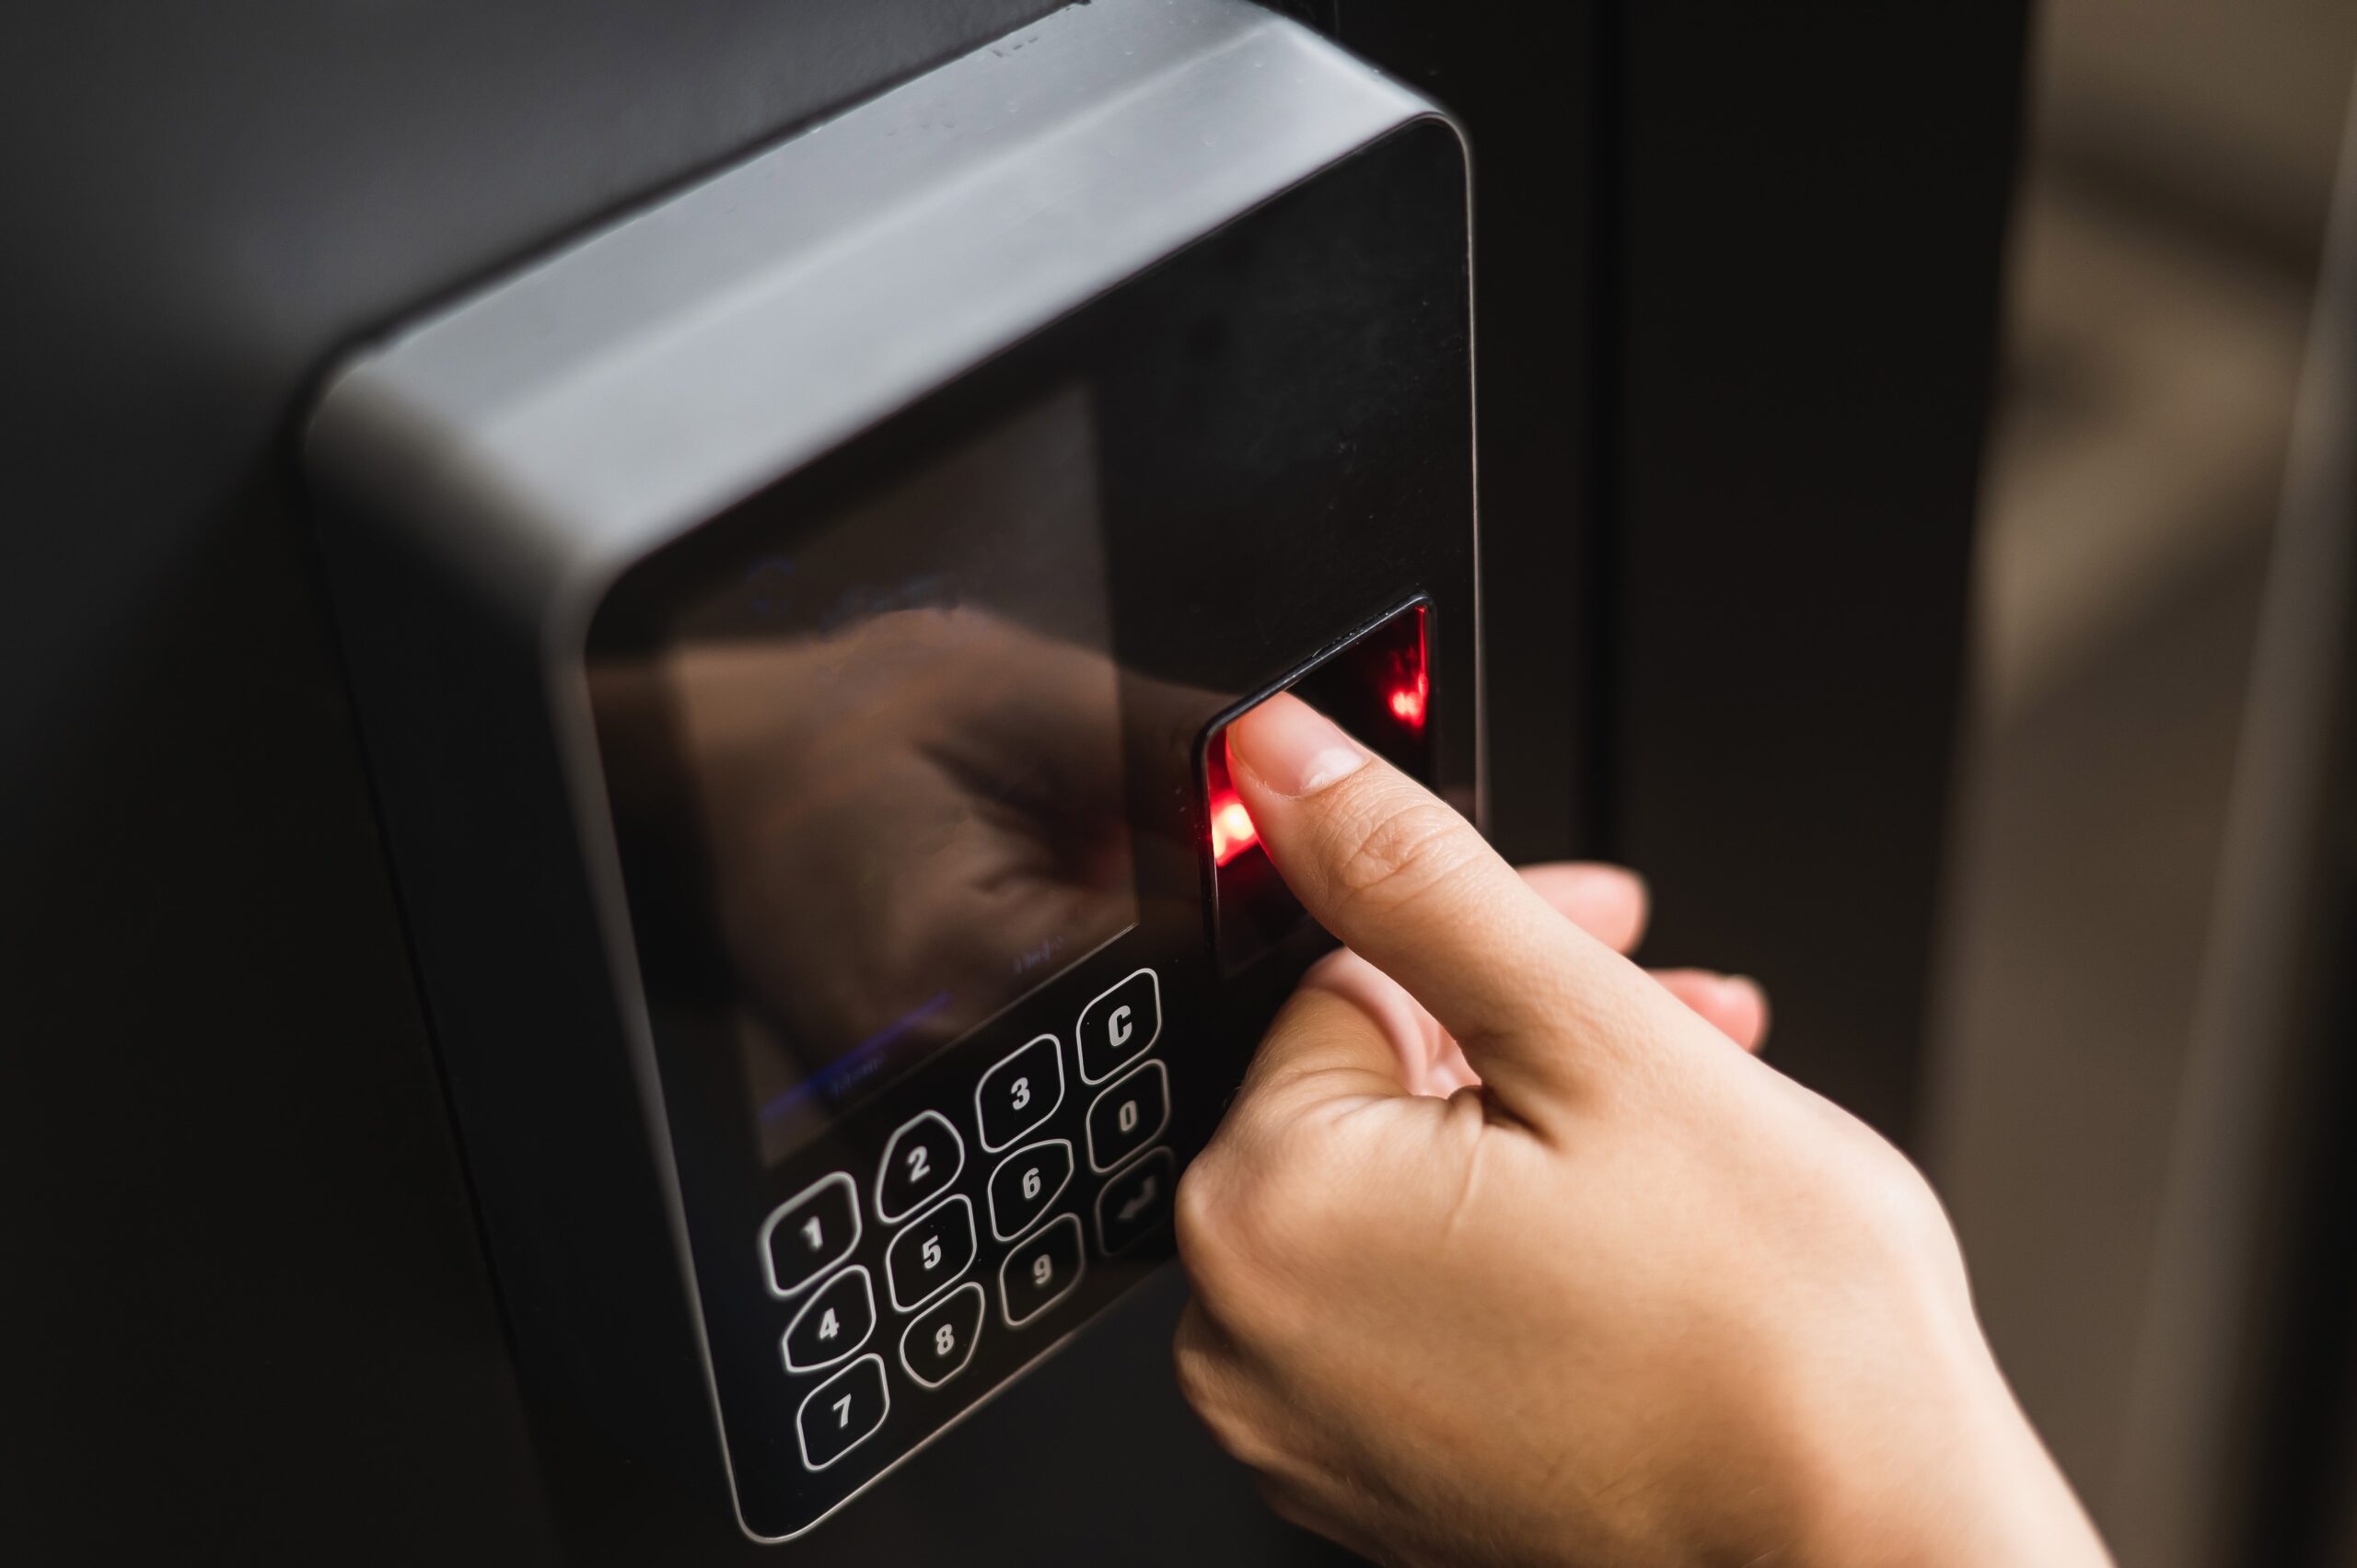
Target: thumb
[{"x": 1413, "y": 888}]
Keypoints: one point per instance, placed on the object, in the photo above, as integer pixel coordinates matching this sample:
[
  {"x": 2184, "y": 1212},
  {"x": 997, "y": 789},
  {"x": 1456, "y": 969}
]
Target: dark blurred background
[{"x": 2166, "y": 256}]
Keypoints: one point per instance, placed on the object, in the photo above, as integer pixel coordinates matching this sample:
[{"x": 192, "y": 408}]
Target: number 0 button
[
  {"x": 939, "y": 1343},
  {"x": 1041, "y": 1272},
  {"x": 922, "y": 1158},
  {"x": 809, "y": 1234},
  {"x": 1128, "y": 1117},
  {"x": 933, "y": 1250},
  {"x": 842, "y": 1412},
  {"x": 1020, "y": 1093},
  {"x": 833, "y": 1323}
]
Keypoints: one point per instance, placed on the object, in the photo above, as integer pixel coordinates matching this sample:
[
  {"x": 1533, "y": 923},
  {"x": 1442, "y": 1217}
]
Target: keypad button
[
  {"x": 1123, "y": 1023},
  {"x": 1025, "y": 1184},
  {"x": 923, "y": 1157},
  {"x": 842, "y": 1413},
  {"x": 1020, "y": 1093},
  {"x": 936, "y": 1248},
  {"x": 809, "y": 1233},
  {"x": 1128, "y": 1117},
  {"x": 1135, "y": 1203},
  {"x": 834, "y": 1322},
  {"x": 940, "y": 1340},
  {"x": 1041, "y": 1272}
]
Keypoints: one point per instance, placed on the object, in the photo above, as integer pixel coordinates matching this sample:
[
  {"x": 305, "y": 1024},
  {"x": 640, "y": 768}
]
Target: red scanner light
[
  {"x": 1232, "y": 828},
  {"x": 1408, "y": 702}
]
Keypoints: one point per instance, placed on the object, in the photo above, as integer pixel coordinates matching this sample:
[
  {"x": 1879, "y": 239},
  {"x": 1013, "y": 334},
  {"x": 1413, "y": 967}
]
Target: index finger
[{"x": 1410, "y": 884}]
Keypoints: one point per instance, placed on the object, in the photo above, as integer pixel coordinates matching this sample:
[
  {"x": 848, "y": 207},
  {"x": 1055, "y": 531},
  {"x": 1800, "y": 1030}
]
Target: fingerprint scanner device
[{"x": 793, "y": 630}]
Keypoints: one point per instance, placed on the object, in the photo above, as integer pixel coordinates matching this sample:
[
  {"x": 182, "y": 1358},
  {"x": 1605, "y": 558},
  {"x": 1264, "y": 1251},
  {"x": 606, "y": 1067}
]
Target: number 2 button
[
  {"x": 922, "y": 1158},
  {"x": 1020, "y": 1093}
]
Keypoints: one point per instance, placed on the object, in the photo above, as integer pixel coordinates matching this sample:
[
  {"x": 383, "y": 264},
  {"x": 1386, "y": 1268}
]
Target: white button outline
[
  {"x": 1099, "y": 1167},
  {"x": 982, "y": 1315},
  {"x": 989, "y": 1188},
  {"x": 785, "y": 1341},
  {"x": 973, "y": 1251},
  {"x": 981, "y": 1121},
  {"x": 1169, "y": 1162},
  {"x": 1080, "y": 1270},
  {"x": 1080, "y": 1031},
  {"x": 802, "y": 1439},
  {"x": 892, "y": 1146},
  {"x": 769, "y": 1259}
]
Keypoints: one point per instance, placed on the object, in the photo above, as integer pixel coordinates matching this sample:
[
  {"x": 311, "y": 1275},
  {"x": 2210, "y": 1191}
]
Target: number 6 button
[
  {"x": 922, "y": 1158},
  {"x": 1128, "y": 1117},
  {"x": 1020, "y": 1093},
  {"x": 1024, "y": 1184}
]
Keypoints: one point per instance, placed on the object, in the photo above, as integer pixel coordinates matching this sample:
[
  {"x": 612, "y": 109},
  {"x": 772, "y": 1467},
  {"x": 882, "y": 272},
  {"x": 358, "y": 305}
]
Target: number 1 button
[
  {"x": 842, "y": 1412},
  {"x": 922, "y": 1158},
  {"x": 1040, "y": 1273},
  {"x": 1020, "y": 1093},
  {"x": 809, "y": 1233}
]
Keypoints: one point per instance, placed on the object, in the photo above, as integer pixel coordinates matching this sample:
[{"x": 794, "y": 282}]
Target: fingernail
[
  {"x": 1759, "y": 994},
  {"x": 1296, "y": 750}
]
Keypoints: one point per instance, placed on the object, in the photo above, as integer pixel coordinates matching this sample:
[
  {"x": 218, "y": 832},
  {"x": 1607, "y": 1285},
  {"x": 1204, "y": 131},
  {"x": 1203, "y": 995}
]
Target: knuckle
[
  {"x": 1896, "y": 1205},
  {"x": 1393, "y": 857}
]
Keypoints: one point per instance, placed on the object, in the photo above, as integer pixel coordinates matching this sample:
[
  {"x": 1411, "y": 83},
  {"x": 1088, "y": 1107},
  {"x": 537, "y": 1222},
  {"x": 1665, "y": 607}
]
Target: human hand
[
  {"x": 1624, "y": 1296},
  {"x": 913, "y": 807}
]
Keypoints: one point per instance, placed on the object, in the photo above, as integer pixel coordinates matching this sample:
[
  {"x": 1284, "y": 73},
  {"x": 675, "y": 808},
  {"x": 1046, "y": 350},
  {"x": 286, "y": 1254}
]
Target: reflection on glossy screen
[{"x": 901, "y": 754}]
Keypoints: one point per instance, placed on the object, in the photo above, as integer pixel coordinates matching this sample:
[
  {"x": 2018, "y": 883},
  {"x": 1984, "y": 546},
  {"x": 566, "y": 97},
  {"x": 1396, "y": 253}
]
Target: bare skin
[{"x": 1504, "y": 1254}]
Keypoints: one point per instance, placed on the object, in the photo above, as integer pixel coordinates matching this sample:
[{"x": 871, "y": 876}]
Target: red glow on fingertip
[{"x": 1232, "y": 828}]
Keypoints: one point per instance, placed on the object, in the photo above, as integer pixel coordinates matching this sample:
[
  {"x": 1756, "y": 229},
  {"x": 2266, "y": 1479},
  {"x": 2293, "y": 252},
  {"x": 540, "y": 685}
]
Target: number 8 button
[{"x": 1020, "y": 1093}]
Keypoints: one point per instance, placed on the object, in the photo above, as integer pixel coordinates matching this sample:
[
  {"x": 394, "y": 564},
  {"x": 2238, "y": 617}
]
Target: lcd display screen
[{"x": 867, "y": 767}]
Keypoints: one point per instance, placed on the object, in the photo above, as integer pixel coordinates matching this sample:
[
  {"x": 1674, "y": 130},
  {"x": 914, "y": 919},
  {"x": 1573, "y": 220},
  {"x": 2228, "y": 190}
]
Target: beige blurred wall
[{"x": 2227, "y": 108}]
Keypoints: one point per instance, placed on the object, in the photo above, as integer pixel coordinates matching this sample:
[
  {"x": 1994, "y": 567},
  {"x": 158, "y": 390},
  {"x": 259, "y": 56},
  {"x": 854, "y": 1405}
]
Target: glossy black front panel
[{"x": 993, "y": 910}]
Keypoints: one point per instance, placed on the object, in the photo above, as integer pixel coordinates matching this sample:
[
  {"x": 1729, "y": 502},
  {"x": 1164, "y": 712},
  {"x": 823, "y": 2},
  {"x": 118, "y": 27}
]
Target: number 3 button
[{"x": 1020, "y": 1093}]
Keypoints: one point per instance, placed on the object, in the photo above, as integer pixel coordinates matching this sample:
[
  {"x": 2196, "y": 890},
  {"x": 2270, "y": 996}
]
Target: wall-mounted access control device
[{"x": 794, "y": 629}]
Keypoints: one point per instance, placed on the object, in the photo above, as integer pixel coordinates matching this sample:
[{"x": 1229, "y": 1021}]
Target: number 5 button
[
  {"x": 1128, "y": 1117},
  {"x": 1020, "y": 1093},
  {"x": 922, "y": 1158},
  {"x": 932, "y": 1251}
]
